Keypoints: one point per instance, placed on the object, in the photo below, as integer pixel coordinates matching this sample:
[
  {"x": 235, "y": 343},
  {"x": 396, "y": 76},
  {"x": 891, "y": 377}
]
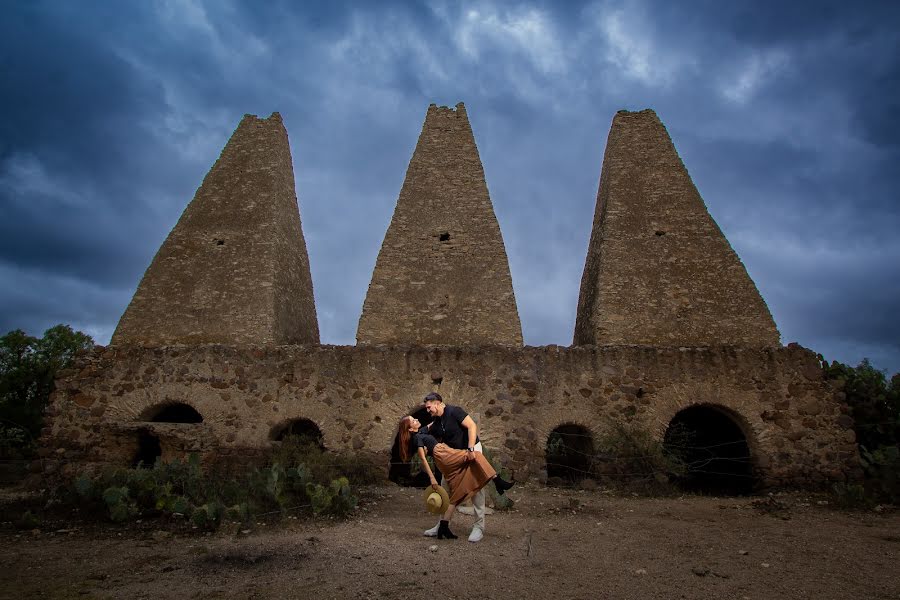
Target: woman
[{"x": 464, "y": 475}]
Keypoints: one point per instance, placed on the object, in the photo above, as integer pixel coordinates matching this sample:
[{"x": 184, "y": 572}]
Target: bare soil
[{"x": 554, "y": 543}]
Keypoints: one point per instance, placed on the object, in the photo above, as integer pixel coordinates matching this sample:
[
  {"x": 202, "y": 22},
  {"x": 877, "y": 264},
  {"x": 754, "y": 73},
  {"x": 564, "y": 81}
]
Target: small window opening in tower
[
  {"x": 220, "y": 242},
  {"x": 660, "y": 233},
  {"x": 444, "y": 237}
]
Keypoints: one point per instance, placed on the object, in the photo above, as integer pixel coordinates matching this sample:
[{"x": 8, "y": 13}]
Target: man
[{"x": 454, "y": 427}]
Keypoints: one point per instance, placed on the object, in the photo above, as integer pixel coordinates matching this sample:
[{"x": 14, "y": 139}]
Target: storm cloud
[{"x": 786, "y": 116}]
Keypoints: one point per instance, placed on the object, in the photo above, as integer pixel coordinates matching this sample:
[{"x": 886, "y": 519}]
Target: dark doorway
[
  {"x": 570, "y": 454},
  {"x": 713, "y": 449},
  {"x": 176, "y": 412},
  {"x": 401, "y": 472},
  {"x": 149, "y": 450},
  {"x": 301, "y": 432}
]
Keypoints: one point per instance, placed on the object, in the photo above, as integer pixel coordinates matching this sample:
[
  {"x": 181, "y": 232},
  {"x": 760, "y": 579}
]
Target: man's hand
[
  {"x": 434, "y": 485},
  {"x": 470, "y": 455}
]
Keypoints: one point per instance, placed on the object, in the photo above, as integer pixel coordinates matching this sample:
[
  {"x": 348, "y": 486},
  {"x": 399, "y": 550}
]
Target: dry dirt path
[{"x": 555, "y": 544}]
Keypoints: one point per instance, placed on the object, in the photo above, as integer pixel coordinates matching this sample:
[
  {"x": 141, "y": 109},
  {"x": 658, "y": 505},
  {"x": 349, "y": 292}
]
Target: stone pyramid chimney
[
  {"x": 234, "y": 270},
  {"x": 442, "y": 275},
  {"x": 659, "y": 271}
]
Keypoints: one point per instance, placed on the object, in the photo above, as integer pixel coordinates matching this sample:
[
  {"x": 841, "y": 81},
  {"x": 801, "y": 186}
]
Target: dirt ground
[{"x": 554, "y": 543}]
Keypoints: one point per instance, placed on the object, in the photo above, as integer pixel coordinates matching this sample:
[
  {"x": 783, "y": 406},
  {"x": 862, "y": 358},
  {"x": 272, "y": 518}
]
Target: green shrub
[
  {"x": 28, "y": 520},
  {"x": 28, "y": 368},
  {"x": 119, "y": 503},
  {"x": 323, "y": 465},
  {"x": 874, "y": 403},
  {"x": 503, "y": 502},
  {"x": 334, "y": 499},
  {"x": 181, "y": 487},
  {"x": 630, "y": 457},
  {"x": 851, "y": 496}
]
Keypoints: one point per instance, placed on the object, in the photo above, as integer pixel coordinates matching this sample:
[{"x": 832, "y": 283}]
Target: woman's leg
[
  {"x": 449, "y": 514},
  {"x": 444, "y": 526}
]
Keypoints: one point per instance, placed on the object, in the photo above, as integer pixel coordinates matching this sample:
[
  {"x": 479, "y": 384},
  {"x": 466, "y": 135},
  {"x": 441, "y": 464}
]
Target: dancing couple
[{"x": 452, "y": 440}]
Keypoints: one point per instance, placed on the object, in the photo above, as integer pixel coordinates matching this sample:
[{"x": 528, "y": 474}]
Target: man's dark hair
[{"x": 433, "y": 397}]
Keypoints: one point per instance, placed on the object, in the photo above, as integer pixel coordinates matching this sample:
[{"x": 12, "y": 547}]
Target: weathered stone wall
[
  {"x": 658, "y": 271},
  {"x": 442, "y": 275},
  {"x": 235, "y": 268},
  {"x": 796, "y": 426}
]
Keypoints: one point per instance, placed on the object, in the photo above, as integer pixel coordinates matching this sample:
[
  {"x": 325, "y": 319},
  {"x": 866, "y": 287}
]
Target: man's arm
[{"x": 472, "y": 428}]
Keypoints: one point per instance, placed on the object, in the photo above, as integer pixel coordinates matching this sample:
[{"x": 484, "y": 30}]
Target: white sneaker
[
  {"x": 433, "y": 531},
  {"x": 476, "y": 535}
]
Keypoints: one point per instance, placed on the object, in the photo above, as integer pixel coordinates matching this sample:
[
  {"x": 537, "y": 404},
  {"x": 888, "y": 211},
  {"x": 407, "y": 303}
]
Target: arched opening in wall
[
  {"x": 401, "y": 472},
  {"x": 712, "y": 449},
  {"x": 172, "y": 412},
  {"x": 570, "y": 454},
  {"x": 302, "y": 433},
  {"x": 148, "y": 450}
]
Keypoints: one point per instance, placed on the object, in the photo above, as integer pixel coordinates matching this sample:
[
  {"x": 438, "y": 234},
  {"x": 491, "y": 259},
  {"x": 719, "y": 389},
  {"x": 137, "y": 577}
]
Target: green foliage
[
  {"x": 28, "y": 367},
  {"x": 323, "y": 465},
  {"x": 874, "y": 403},
  {"x": 851, "y": 496},
  {"x": 182, "y": 488},
  {"x": 503, "y": 502},
  {"x": 334, "y": 499},
  {"x": 882, "y": 468},
  {"x": 119, "y": 503},
  {"x": 634, "y": 459},
  {"x": 28, "y": 520}
]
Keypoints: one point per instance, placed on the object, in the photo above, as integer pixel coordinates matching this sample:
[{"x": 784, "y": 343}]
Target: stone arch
[
  {"x": 569, "y": 453},
  {"x": 148, "y": 445},
  {"x": 743, "y": 409},
  {"x": 171, "y": 412},
  {"x": 305, "y": 431},
  {"x": 711, "y": 442}
]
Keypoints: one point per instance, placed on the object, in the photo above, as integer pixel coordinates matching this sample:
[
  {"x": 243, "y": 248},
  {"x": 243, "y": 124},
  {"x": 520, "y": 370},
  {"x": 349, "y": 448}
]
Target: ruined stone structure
[
  {"x": 659, "y": 272},
  {"x": 442, "y": 276},
  {"x": 234, "y": 270},
  {"x": 659, "y": 335}
]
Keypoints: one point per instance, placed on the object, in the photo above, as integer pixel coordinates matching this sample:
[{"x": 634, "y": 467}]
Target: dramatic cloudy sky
[{"x": 787, "y": 115}]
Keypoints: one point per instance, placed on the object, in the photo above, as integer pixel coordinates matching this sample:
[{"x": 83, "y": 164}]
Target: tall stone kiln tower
[
  {"x": 659, "y": 271},
  {"x": 234, "y": 270},
  {"x": 442, "y": 275}
]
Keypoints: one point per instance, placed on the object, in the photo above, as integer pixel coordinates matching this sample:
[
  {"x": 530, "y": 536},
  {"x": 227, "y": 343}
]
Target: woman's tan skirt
[{"x": 464, "y": 477}]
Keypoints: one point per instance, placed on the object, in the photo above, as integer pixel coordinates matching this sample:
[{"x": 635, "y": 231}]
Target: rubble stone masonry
[
  {"x": 224, "y": 322},
  {"x": 235, "y": 267},
  {"x": 442, "y": 276},
  {"x": 658, "y": 270},
  {"x": 796, "y": 426}
]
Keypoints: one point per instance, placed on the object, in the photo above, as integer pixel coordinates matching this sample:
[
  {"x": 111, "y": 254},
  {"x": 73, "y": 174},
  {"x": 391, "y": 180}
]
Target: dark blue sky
[{"x": 787, "y": 116}]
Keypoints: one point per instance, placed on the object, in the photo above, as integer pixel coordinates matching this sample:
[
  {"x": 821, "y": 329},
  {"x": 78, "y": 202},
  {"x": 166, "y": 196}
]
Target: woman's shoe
[
  {"x": 444, "y": 532},
  {"x": 502, "y": 485}
]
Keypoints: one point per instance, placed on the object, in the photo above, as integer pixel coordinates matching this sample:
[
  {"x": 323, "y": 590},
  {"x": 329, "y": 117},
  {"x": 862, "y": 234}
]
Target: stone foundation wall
[{"x": 797, "y": 428}]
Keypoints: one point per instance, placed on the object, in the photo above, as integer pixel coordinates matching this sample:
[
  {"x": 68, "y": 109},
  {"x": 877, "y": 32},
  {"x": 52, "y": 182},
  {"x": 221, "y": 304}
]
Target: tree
[
  {"x": 875, "y": 406},
  {"x": 28, "y": 368}
]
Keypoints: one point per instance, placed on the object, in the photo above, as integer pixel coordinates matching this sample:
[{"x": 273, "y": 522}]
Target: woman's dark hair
[{"x": 405, "y": 436}]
